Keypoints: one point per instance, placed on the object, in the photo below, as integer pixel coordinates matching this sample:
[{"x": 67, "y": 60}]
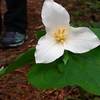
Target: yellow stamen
[{"x": 60, "y": 35}]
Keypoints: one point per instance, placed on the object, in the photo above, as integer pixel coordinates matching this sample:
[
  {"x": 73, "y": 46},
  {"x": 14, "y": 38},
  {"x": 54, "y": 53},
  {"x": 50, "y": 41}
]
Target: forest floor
[{"x": 14, "y": 86}]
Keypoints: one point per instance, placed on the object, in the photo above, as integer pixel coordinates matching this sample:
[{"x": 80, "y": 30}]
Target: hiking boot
[{"x": 13, "y": 39}]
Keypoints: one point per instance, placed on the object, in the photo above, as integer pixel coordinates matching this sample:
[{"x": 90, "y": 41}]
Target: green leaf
[
  {"x": 96, "y": 31},
  {"x": 82, "y": 70},
  {"x": 20, "y": 61},
  {"x": 46, "y": 76},
  {"x": 40, "y": 33},
  {"x": 65, "y": 57},
  {"x": 61, "y": 68}
]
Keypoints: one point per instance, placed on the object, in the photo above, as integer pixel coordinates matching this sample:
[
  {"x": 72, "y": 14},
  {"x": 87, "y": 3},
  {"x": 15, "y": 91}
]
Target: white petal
[
  {"x": 81, "y": 40},
  {"x": 48, "y": 50},
  {"x": 54, "y": 15}
]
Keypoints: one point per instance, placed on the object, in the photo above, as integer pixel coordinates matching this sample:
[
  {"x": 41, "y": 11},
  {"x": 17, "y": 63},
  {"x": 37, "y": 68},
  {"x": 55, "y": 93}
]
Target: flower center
[{"x": 60, "y": 35}]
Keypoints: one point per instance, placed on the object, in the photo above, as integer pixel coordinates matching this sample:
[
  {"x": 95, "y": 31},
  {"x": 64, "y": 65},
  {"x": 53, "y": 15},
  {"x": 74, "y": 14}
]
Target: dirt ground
[{"x": 14, "y": 86}]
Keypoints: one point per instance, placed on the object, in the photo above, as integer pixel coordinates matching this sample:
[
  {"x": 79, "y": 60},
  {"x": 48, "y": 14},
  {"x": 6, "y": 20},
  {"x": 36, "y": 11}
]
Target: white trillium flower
[{"x": 61, "y": 36}]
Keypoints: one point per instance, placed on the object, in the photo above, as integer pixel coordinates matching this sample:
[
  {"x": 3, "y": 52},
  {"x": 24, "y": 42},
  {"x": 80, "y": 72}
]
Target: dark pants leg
[
  {"x": 0, "y": 19},
  {"x": 0, "y": 23},
  {"x": 15, "y": 19}
]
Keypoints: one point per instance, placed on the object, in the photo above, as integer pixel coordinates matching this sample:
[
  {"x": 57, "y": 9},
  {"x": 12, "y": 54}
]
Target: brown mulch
[{"x": 14, "y": 86}]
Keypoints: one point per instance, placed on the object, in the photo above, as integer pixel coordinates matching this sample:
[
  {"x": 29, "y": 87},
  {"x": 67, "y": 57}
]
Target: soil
[{"x": 14, "y": 86}]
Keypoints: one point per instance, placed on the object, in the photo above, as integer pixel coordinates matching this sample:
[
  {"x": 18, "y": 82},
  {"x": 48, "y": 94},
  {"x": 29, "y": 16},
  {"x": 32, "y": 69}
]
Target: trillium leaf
[
  {"x": 61, "y": 67},
  {"x": 65, "y": 57},
  {"x": 96, "y": 31},
  {"x": 25, "y": 58},
  {"x": 82, "y": 70},
  {"x": 40, "y": 33},
  {"x": 46, "y": 76}
]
